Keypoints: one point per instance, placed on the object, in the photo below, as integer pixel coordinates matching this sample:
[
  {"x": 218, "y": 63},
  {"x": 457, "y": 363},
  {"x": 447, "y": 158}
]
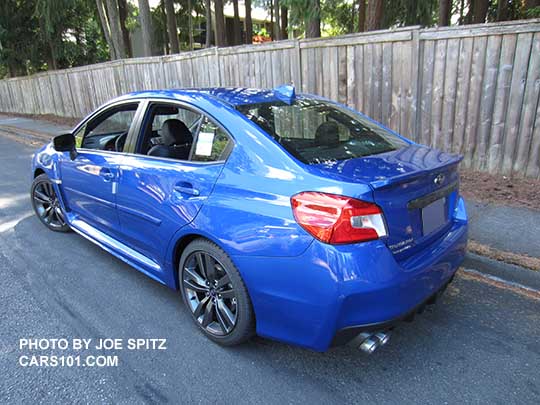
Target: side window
[
  {"x": 108, "y": 131},
  {"x": 212, "y": 143},
  {"x": 162, "y": 114},
  {"x": 168, "y": 131}
]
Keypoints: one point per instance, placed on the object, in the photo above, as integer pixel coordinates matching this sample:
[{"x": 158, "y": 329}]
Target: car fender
[{"x": 46, "y": 159}]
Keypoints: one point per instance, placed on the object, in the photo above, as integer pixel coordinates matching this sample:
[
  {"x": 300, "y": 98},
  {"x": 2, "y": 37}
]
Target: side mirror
[{"x": 65, "y": 143}]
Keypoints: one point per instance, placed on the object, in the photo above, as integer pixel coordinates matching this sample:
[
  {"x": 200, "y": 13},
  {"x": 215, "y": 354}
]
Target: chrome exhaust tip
[
  {"x": 383, "y": 337},
  {"x": 369, "y": 345},
  {"x": 369, "y": 342}
]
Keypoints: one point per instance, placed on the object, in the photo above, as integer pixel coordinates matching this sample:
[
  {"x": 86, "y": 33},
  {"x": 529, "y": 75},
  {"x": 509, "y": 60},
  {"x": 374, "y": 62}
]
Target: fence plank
[
  {"x": 473, "y": 90},
  {"x": 533, "y": 166},
  {"x": 386, "y": 84},
  {"x": 368, "y": 79},
  {"x": 502, "y": 94},
  {"x": 528, "y": 112},
  {"x": 515, "y": 103},
  {"x": 449, "y": 99},
  {"x": 487, "y": 101},
  {"x": 475, "y": 95},
  {"x": 426, "y": 91},
  {"x": 438, "y": 93}
]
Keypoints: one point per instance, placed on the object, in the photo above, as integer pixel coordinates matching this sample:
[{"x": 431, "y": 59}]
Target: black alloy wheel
[
  {"x": 215, "y": 293},
  {"x": 46, "y": 204}
]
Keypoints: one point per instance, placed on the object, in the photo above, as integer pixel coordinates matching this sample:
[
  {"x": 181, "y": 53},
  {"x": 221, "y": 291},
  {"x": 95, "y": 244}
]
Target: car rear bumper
[
  {"x": 345, "y": 335},
  {"x": 307, "y": 300}
]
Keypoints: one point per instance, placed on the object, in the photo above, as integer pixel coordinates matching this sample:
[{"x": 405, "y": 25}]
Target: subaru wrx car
[{"x": 287, "y": 216}]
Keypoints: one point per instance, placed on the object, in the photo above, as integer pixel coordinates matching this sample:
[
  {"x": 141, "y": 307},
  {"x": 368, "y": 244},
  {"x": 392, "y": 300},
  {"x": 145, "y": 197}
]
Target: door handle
[
  {"x": 186, "y": 188},
  {"x": 107, "y": 174}
]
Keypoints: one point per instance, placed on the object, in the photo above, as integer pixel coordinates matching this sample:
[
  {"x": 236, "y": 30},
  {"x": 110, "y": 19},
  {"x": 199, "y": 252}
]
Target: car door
[
  {"x": 89, "y": 181},
  {"x": 159, "y": 195}
]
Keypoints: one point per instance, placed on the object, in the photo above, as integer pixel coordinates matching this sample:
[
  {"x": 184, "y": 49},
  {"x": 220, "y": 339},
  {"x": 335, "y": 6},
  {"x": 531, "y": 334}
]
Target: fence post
[
  {"x": 298, "y": 65},
  {"x": 218, "y": 66},
  {"x": 416, "y": 76}
]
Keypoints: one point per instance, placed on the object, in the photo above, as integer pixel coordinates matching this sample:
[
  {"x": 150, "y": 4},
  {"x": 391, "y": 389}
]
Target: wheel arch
[
  {"x": 180, "y": 245},
  {"x": 38, "y": 171}
]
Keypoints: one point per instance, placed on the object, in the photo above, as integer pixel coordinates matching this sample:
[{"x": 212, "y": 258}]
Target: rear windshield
[{"x": 316, "y": 131}]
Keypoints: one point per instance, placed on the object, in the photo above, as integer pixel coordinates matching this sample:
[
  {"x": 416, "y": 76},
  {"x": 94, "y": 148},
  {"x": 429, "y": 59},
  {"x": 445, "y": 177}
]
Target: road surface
[{"x": 479, "y": 344}]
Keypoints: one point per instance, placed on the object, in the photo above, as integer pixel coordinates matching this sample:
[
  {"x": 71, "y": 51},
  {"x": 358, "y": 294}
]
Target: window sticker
[{"x": 204, "y": 144}]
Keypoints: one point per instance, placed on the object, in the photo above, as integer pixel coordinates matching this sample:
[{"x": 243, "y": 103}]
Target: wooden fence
[{"x": 473, "y": 90}]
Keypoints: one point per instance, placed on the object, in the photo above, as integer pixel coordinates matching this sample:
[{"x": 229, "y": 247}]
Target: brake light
[{"x": 337, "y": 219}]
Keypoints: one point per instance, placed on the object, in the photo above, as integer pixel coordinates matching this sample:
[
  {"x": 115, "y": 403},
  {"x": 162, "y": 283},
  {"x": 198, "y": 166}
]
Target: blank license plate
[{"x": 434, "y": 216}]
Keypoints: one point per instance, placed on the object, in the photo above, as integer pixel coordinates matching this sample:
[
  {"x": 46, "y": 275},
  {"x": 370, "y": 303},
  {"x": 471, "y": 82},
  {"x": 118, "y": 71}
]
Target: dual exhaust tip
[{"x": 368, "y": 342}]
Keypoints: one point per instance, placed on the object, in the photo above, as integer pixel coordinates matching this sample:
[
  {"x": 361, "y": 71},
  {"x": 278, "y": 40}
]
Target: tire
[
  {"x": 210, "y": 301},
  {"x": 47, "y": 205}
]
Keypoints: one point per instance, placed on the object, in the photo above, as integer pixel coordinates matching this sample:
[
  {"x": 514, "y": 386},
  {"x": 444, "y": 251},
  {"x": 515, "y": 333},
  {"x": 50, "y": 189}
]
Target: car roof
[{"x": 233, "y": 96}]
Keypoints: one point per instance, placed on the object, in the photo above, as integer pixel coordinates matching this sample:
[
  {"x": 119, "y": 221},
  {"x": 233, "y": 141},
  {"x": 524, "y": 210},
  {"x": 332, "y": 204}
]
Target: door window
[
  {"x": 168, "y": 131},
  {"x": 174, "y": 132},
  {"x": 108, "y": 131}
]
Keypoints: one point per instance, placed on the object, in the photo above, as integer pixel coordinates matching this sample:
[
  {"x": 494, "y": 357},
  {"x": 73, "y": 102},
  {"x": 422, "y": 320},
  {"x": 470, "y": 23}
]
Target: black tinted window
[
  {"x": 316, "y": 131},
  {"x": 109, "y": 130}
]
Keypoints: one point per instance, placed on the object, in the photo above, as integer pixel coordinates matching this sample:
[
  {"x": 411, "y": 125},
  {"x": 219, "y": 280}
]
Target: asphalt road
[{"x": 479, "y": 344}]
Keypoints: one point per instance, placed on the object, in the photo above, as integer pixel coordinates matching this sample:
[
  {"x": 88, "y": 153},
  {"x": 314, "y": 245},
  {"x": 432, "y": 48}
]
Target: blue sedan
[{"x": 287, "y": 216}]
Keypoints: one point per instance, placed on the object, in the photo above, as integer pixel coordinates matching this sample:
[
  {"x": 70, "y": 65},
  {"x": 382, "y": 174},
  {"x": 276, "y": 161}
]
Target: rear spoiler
[{"x": 392, "y": 181}]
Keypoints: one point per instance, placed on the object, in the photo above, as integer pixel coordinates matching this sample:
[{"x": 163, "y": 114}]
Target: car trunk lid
[{"x": 416, "y": 187}]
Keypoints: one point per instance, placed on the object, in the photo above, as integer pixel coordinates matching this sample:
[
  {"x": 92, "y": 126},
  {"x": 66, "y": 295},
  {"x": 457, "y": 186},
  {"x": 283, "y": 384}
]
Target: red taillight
[{"x": 338, "y": 219}]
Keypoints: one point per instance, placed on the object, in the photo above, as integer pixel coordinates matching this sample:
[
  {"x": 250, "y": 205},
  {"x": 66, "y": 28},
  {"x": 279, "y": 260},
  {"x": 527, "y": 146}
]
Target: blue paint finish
[
  {"x": 302, "y": 290},
  {"x": 87, "y": 185},
  {"x": 151, "y": 197}
]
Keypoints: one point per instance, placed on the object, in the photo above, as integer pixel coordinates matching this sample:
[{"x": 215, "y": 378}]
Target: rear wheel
[
  {"x": 46, "y": 204},
  {"x": 215, "y": 294}
]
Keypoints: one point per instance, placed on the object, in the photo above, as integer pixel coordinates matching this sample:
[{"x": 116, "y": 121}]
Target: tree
[
  {"x": 49, "y": 13},
  {"x": 123, "y": 14},
  {"x": 37, "y": 35},
  {"x": 361, "y": 15},
  {"x": 172, "y": 29},
  {"x": 190, "y": 24},
  {"x": 445, "y": 10},
  {"x": 105, "y": 28},
  {"x": 532, "y": 8},
  {"x": 248, "y": 23},
  {"x": 480, "y": 9},
  {"x": 145, "y": 19},
  {"x": 502, "y": 10},
  {"x": 17, "y": 38},
  {"x": 208, "y": 11},
  {"x": 532, "y": 4},
  {"x": 219, "y": 32},
  {"x": 284, "y": 14},
  {"x": 313, "y": 20},
  {"x": 237, "y": 35},
  {"x": 277, "y": 28},
  {"x": 375, "y": 14},
  {"x": 116, "y": 32}
]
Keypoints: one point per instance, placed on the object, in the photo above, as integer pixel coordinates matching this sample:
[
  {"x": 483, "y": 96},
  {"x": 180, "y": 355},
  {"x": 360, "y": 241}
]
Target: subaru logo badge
[{"x": 438, "y": 180}]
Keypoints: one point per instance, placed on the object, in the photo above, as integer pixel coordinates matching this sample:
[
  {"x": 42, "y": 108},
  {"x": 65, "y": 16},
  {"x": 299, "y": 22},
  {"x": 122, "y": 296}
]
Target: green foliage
[
  {"x": 403, "y": 13},
  {"x": 338, "y": 17},
  {"x": 533, "y": 12},
  {"x": 300, "y": 11},
  {"x": 36, "y": 34},
  {"x": 17, "y": 35},
  {"x": 182, "y": 21}
]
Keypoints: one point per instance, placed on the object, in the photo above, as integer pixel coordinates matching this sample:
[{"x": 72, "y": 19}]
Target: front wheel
[
  {"x": 215, "y": 294},
  {"x": 46, "y": 204}
]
